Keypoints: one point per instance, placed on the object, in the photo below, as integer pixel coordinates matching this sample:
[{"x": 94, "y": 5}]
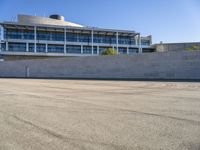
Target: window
[
  {"x": 72, "y": 49},
  {"x": 3, "y": 46},
  {"x": 19, "y": 34},
  {"x": 126, "y": 40},
  {"x": 122, "y": 50},
  {"x": 41, "y": 48},
  {"x": 87, "y": 50},
  {"x": 56, "y": 48},
  {"x": 31, "y": 47},
  {"x": 17, "y": 47},
  {"x": 145, "y": 42},
  {"x": 133, "y": 50},
  {"x": 95, "y": 50}
]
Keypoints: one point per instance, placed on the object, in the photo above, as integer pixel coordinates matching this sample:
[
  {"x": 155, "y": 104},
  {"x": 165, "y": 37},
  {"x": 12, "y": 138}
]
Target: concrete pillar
[
  {"x": 136, "y": 40},
  {"x": 127, "y": 50},
  {"x": 46, "y": 48},
  {"x": 117, "y": 42},
  {"x": 6, "y": 46},
  {"x": 98, "y": 49},
  {"x": 92, "y": 37},
  {"x": 81, "y": 49},
  {"x": 27, "y": 47},
  {"x": 140, "y": 44},
  {"x": 35, "y": 39},
  {"x": 150, "y": 40},
  {"x": 65, "y": 41}
]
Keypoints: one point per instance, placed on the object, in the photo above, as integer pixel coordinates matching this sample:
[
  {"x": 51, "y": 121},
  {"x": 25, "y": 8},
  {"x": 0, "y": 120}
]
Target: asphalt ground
[{"x": 99, "y": 115}]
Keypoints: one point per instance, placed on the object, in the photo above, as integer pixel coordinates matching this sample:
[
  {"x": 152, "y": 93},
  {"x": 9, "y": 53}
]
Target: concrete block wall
[
  {"x": 174, "y": 46},
  {"x": 166, "y": 65}
]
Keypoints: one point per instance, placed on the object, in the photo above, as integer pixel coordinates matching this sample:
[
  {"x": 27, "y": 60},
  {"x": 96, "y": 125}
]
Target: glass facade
[
  {"x": 19, "y": 34},
  {"x": 17, "y": 47},
  {"x": 55, "y": 48},
  {"x": 3, "y": 46},
  {"x": 56, "y": 36},
  {"x": 104, "y": 39},
  {"x": 133, "y": 50},
  {"x": 95, "y": 50},
  {"x": 73, "y": 49},
  {"x": 122, "y": 50},
  {"x": 145, "y": 42},
  {"x": 75, "y": 37},
  {"x": 31, "y": 47},
  {"x": 50, "y": 36},
  {"x": 41, "y": 48},
  {"x": 126, "y": 41},
  {"x": 87, "y": 50}
]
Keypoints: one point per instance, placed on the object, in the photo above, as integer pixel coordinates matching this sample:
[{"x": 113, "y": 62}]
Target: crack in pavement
[{"x": 71, "y": 141}]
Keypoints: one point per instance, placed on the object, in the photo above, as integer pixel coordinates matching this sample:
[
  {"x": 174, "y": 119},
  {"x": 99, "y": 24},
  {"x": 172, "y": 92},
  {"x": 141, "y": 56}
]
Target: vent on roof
[{"x": 57, "y": 17}]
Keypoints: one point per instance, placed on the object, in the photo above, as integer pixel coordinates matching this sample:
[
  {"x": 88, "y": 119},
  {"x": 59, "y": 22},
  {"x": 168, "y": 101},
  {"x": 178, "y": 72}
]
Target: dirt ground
[{"x": 99, "y": 115}]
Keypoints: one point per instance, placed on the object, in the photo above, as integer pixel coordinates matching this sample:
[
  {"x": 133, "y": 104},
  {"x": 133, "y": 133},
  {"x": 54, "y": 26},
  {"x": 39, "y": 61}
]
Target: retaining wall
[
  {"x": 166, "y": 65},
  {"x": 174, "y": 46}
]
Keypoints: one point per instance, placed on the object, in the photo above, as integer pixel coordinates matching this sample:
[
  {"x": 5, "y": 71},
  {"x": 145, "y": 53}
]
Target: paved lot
[{"x": 98, "y": 115}]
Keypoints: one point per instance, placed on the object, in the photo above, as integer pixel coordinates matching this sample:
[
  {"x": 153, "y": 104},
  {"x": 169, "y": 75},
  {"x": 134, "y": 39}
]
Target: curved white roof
[{"x": 27, "y": 19}]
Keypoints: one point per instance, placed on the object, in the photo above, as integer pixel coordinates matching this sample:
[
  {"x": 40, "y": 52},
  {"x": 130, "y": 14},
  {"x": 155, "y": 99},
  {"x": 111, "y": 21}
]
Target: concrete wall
[
  {"x": 166, "y": 65},
  {"x": 174, "y": 46}
]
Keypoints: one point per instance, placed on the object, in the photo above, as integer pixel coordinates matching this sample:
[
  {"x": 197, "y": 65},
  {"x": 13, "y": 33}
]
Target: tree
[
  {"x": 193, "y": 48},
  {"x": 109, "y": 51}
]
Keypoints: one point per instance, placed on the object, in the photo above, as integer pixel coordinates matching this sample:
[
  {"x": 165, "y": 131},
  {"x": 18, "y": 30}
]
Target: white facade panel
[{"x": 1, "y": 33}]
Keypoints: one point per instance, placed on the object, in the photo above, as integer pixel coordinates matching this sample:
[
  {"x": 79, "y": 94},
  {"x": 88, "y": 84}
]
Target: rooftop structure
[{"x": 53, "y": 36}]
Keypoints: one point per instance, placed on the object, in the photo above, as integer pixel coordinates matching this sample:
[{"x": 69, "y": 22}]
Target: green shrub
[
  {"x": 109, "y": 51},
  {"x": 193, "y": 48}
]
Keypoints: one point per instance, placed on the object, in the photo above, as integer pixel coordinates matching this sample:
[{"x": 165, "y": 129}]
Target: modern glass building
[{"x": 53, "y": 36}]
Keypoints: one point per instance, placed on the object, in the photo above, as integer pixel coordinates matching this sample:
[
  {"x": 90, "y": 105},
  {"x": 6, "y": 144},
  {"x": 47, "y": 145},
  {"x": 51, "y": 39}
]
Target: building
[{"x": 39, "y": 36}]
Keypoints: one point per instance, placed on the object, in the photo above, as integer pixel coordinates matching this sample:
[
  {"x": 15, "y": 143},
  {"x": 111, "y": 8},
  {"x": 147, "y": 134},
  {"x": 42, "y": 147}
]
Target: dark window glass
[
  {"x": 3, "y": 46},
  {"x": 122, "y": 50},
  {"x": 56, "y": 48},
  {"x": 87, "y": 50},
  {"x": 145, "y": 42},
  {"x": 31, "y": 47},
  {"x": 41, "y": 48},
  {"x": 17, "y": 47},
  {"x": 19, "y": 34},
  {"x": 72, "y": 49},
  {"x": 133, "y": 50}
]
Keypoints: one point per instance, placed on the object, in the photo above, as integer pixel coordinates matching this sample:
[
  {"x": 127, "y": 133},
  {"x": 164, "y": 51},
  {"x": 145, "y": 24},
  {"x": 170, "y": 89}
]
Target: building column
[
  {"x": 46, "y": 48},
  {"x": 92, "y": 37},
  {"x": 65, "y": 41},
  {"x": 0, "y": 46},
  {"x": 140, "y": 44},
  {"x": 127, "y": 50},
  {"x": 35, "y": 39},
  {"x": 27, "y": 47},
  {"x": 6, "y": 46},
  {"x": 98, "y": 49},
  {"x": 117, "y": 42},
  {"x": 136, "y": 40},
  {"x": 81, "y": 49}
]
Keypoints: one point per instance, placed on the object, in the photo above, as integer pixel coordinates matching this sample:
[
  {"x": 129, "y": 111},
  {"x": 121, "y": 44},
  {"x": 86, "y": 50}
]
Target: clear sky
[{"x": 166, "y": 20}]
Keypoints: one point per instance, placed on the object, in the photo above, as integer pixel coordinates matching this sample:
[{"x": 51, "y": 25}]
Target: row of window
[
  {"x": 71, "y": 49},
  {"x": 52, "y": 36}
]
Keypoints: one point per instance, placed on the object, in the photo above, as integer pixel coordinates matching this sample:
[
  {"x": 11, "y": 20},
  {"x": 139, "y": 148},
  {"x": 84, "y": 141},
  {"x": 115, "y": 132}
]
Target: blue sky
[{"x": 166, "y": 20}]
